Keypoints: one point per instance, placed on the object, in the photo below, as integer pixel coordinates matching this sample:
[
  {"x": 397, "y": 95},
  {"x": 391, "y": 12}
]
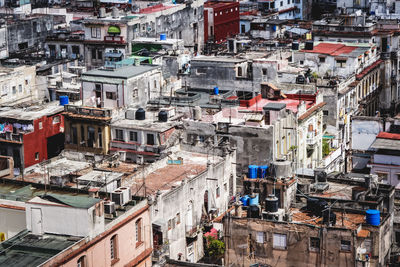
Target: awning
[
  {"x": 112, "y": 54},
  {"x": 114, "y": 30}
]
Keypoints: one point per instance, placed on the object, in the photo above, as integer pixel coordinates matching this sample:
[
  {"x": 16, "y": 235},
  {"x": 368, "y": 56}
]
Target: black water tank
[
  {"x": 140, "y": 114},
  {"x": 253, "y": 212},
  {"x": 321, "y": 206},
  {"x": 309, "y": 45},
  {"x": 295, "y": 46},
  {"x": 311, "y": 204},
  {"x": 271, "y": 203},
  {"x": 163, "y": 116}
]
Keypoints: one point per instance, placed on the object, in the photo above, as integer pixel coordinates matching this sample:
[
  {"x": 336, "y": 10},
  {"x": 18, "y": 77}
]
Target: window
[
  {"x": 264, "y": 72},
  {"x": 314, "y": 243},
  {"x": 40, "y": 125},
  {"x": 96, "y": 32},
  {"x": 279, "y": 241},
  {"x": 321, "y": 60},
  {"x": 345, "y": 245},
  {"x": 37, "y": 156},
  {"x": 150, "y": 139},
  {"x": 81, "y": 262},
  {"x": 301, "y": 62},
  {"x": 218, "y": 193},
  {"x": 169, "y": 224},
  {"x": 382, "y": 177},
  {"x": 111, "y": 95},
  {"x": 178, "y": 218},
  {"x": 133, "y": 136},
  {"x": 119, "y": 135},
  {"x": 326, "y": 112},
  {"x": 99, "y": 54},
  {"x": 100, "y": 137},
  {"x": 288, "y": 2},
  {"x": 114, "y": 248},
  {"x": 56, "y": 119},
  {"x": 260, "y": 237},
  {"x": 14, "y": 90},
  {"x": 281, "y": 3},
  {"x": 341, "y": 63},
  {"x": 20, "y": 88},
  {"x": 240, "y": 71},
  {"x": 201, "y": 70},
  {"x": 74, "y": 133},
  {"x": 138, "y": 227},
  {"x": 82, "y": 135}
]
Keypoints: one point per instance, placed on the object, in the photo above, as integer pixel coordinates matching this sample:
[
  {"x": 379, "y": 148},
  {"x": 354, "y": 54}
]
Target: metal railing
[{"x": 88, "y": 111}]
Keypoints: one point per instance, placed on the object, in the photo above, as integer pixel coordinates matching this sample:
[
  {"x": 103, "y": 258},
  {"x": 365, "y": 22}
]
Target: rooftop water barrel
[
  {"x": 253, "y": 171},
  {"x": 64, "y": 100},
  {"x": 373, "y": 217},
  {"x": 295, "y": 46},
  {"x": 271, "y": 203},
  {"x": 140, "y": 114},
  {"x": 311, "y": 204},
  {"x": 163, "y": 37},
  {"x": 163, "y": 116},
  {"x": 216, "y": 90},
  {"x": 245, "y": 200},
  {"x": 253, "y": 200},
  {"x": 262, "y": 171}
]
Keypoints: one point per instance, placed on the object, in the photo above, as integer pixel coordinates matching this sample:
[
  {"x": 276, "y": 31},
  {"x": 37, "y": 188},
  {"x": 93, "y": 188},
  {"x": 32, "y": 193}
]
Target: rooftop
[
  {"x": 154, "y": 9},
  {"x": 26, "y": 249},
  {"x": 202, "y": 58},
  {"x": 79, "y": 202},
  {"x": 120, "y": 73},
  {"x": 343, "y": 220},
  {"x": 339, "y": 49},
  {"x": 147, "y": 124},
  {"x": 31, "y": 113},
  {"x": 219, "y": 4},
  {"x": 177, "y": 167}
]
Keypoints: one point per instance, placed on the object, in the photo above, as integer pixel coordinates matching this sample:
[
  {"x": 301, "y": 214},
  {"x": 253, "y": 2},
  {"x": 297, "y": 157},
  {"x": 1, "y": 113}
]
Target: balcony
[
  {"x": 159, "y": 252},
  {"x": 192, "y": 231},
  {"x": 114, "y": 39},
  {"x": 88, "y": 112},
  {"x": 311, "y": 141},
  {"x": 11, "y": 138}
]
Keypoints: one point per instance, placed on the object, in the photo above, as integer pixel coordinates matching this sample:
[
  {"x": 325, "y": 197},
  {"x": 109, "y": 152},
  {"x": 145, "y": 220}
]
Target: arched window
[
  {"x": 138, "y": 229},
  {"x": 81, "y": 262},
  {"x": 114, "y": 247}
]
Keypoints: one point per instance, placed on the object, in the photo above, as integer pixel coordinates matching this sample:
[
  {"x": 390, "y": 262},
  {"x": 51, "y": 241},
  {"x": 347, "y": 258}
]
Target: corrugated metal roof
[
  {"x": 388, "y": 144},
  {"x": 121, "y": 73},
  {"x": 72, "y": 201}
]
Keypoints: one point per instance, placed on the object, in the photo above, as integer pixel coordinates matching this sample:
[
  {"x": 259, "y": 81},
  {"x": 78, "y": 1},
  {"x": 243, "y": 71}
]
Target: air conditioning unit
[
  {"x": 118, "y": 197},
  {"x": 109, "y": 207},
  {"x": 126, "y": 194}
]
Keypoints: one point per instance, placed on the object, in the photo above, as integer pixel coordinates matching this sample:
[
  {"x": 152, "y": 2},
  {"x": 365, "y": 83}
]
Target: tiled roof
[
  {"x": 311, "y": 110},
  {"x": 386, "y": 135},
  {"x": 368, "y": 69}
]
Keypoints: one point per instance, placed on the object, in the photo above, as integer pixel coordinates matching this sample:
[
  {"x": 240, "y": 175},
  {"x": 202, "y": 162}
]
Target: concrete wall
[
  {"x": 75, "y": 221},
  {"x": 13, "y": 217},
  {"x": 241, "y": 240}
]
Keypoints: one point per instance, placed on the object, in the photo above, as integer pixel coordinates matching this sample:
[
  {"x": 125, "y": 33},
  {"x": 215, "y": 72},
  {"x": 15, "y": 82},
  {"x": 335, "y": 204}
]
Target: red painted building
[
  {"x": 221, "y": 20},
  {"x": 33, "y": 135}
]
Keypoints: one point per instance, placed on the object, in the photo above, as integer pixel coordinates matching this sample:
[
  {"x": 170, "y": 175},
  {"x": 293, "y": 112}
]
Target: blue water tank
[
  {"x": 262, "y": 171},
  {"x": 245, "y": 200},
  {"x": 373, "y": 217},
  {"x": 216, "y": 91},
  {"x": 64, "y": 100},
  {"x": 253, "y": 200},
  {"x": 253, "y": 171},
  {"x": 163, "y": 37}
]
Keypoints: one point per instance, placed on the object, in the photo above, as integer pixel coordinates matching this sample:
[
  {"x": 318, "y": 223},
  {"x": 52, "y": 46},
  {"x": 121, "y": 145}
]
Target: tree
[{"x": 215, "y": 248}]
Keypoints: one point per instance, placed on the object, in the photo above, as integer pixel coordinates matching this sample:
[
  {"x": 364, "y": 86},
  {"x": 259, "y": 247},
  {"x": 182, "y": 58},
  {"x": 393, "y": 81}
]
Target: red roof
[
  {"x": 153, "y": 9},
  {"x": 368, "y": 69},
  {"x": 331, "y": 49},
  {"x": 220, "y": 4},
  {"x": 385, "y": 135}
]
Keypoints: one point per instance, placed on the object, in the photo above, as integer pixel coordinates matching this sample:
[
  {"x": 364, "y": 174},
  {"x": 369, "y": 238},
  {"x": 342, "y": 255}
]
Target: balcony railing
[
  {"x": 191, "y": 230},
  {"x": 88, "y": 111},
  {"x": 114, "y": 39},
  {"x": 11, "y": 137}
]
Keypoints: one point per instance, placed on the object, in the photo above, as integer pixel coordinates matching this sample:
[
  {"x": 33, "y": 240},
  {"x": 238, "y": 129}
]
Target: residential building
[
  {"x": 61, "y": 44},
  {"x": 221, "y": 20},
  {"x": 18, "y": 85},
  {"x": 121, "y": 87},
  {"x": 144, "y": 139},
  {"x": 267, "y": 29},
  {"x": 32, "y": 135},
  {"x": 187, "y": 188},
  {"x": 108, "y": 33},
  {"x": 385, "y": 161}
]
